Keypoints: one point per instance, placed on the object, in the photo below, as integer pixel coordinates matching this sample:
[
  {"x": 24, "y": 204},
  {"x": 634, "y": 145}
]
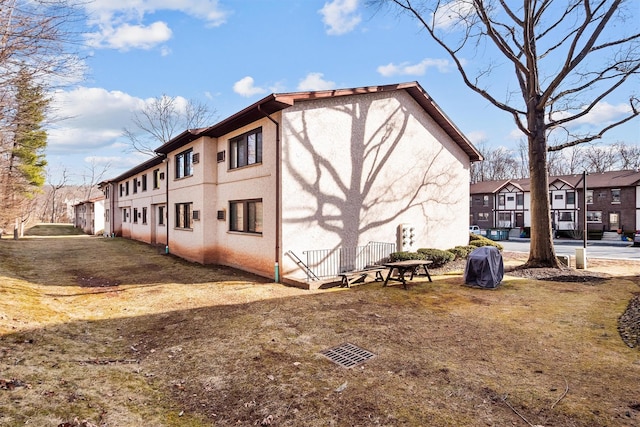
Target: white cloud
[
  {"x": 340, "y": 16},
  {"x": 128, "y": 36},
  {"x": 89, "y": 118},
  {"x": 602, "y": 114},
  {"x": 245, "y": 87},
  {"x": 477, "y": 136},
  {"x": 121, "y": 24},
  {"x": 315, "y": 81},
  {"x": 419, "y": 69},
  {"x": 448, "y": 15}
]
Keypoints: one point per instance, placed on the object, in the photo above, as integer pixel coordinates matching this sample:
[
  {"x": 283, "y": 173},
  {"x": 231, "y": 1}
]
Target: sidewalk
[{"x": 577, "y": 242}]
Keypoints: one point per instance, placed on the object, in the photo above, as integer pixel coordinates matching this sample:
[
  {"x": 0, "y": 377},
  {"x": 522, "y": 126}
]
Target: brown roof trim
[
  {"x": 178, "y": 141},
  {"x": 278, "y": 102},
  {"x": 154, "y": 161}
]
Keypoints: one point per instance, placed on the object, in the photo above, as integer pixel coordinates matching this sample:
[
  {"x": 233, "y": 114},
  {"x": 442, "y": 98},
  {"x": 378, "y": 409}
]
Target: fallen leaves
[{"x": 12, "y": 384}]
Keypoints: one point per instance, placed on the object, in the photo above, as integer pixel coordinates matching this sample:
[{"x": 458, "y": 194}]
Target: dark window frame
[
  {"x": 184, "y": 164},
  {"x": 183, "y": 215},
  {"x": 240, "y": 152},
  {"x": 251, "y": 218}
]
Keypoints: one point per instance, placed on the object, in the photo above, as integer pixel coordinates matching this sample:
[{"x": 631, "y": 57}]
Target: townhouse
[
  {"x": 296, "y": 173},
  {"x": 89, "y": 215},
  {"x": 613, "y": 202}
]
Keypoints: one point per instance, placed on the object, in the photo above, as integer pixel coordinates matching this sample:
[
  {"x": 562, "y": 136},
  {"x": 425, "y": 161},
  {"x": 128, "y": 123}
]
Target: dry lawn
[{"x": 115, "y": 333}]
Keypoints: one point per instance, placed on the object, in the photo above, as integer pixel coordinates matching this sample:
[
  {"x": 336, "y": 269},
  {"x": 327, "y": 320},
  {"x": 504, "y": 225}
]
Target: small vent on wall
[
  {"x": 221, "y": 215},
  {"x": 196, "y": 158},
  {"x": 220, "y": 156},
  {"x": 196, "y": 215}
]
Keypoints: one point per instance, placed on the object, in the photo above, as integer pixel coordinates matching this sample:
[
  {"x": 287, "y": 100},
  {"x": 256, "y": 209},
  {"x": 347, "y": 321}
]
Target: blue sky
[{"x": 231, "y": 53}]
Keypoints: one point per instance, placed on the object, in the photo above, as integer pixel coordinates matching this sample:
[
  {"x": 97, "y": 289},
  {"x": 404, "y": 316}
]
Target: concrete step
[{"x": 610, "y": 236}]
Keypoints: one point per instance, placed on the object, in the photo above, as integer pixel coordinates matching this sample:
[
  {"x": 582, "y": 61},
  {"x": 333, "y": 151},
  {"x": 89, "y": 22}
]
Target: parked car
[
  {"x": 474, "y": 229},
  {"x": 636, "y": 238}
]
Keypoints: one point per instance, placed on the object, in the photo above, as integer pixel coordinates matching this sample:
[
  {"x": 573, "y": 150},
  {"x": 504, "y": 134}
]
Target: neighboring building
[
  {"x": 89, "y": 215},
  {"x": 136, "y": 203},
  {"x": 301, "y": 172},
  {"x": 613, "y": 202}
]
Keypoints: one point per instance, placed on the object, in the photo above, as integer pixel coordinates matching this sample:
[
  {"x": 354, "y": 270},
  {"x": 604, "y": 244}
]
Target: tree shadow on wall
[{"x": 368, "y": 187}]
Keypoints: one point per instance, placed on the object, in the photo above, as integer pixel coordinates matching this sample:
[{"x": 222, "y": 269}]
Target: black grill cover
[{"x": 484, "y": 267}]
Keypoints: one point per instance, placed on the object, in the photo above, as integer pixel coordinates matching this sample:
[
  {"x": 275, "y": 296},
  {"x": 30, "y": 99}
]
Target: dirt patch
[
  {"x": 559, "y": 274},
  {"x": 95, "y": 282},
  {"x": 629, "y": 323}
]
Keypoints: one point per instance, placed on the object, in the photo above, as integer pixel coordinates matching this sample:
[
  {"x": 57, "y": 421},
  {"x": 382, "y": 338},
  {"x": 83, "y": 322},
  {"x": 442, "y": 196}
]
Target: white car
[
  {"x": 636, "y": 238},
  {"x": 474, "y": 229}
]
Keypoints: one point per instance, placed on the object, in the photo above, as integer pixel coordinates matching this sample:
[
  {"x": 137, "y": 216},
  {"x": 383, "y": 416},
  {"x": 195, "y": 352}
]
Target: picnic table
[{"x": 403, "y": 267}]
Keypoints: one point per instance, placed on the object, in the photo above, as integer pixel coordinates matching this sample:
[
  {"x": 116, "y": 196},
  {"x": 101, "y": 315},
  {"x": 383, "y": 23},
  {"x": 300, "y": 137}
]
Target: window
[
  {"x": 184, "y": 164},
  {"x": 183, "y": 215},
  {"x": 144, "y": 182},
  {"x": 590, "y": 197},
  {"x": 566, "y": 216},
  {"x": 160, "y": 215},
  {"x": 510, "y": 198},
  {"x": 594, "y": 216},
  {"x": 483, "y": 216},
  {"x": 558, "y": 197},
  {"x": 124, "y": 215},
  {"x": 501, "y": 200},
  {"x": 504, "y": 219},
  {"x": 520, "y": 199},
  {"x": 106, "y": 215},
  {"x": 246, "y": 216},
  {"x": 156, "y": 179},
  {"x": 135, "y": 186},
  {"x": 615, "y": 195},
  {"x": 135, "y": 215},
  {"x": 246, "y": 149},
  {"x": 144, "y": 215},
  {"x": 126, "y": 187},
  {"x": 571, "y": 197},
  {"x": 107, "y": 192},
  {"x": 121, "y": 190}
]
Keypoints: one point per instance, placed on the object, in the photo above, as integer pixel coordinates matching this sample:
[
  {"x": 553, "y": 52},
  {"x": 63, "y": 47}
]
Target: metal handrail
[{"x": 324, "y": 263}]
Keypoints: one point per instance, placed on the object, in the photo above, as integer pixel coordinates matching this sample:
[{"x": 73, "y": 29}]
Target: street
[{"x": 595, "y": 249}]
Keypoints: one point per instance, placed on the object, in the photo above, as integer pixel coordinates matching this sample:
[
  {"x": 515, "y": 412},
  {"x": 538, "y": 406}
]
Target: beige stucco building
[
  {"x": 301, "y": 172},
  {"x": 89, "y": 215}
]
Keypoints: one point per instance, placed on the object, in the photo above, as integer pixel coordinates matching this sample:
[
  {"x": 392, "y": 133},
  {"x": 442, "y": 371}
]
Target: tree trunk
[{"x": 541, "y": 252}]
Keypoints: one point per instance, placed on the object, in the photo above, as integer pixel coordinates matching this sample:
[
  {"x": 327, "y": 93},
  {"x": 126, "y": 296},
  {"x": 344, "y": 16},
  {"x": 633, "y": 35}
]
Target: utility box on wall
[{"x": 405, "y": 237}]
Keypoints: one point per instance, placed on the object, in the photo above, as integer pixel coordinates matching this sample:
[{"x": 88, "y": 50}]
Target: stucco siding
[
  {"x": 210, "y": 189},
  {"x": 355, "y": 168},
  {"x": 247, "y": 251}
]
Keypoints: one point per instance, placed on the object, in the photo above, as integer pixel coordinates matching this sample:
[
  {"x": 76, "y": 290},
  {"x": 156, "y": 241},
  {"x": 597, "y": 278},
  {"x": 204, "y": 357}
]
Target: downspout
[
  {"x": 276, "y": 265},
  {"x": 166, "y": 200},
  {"x": 112, "y": 204}
]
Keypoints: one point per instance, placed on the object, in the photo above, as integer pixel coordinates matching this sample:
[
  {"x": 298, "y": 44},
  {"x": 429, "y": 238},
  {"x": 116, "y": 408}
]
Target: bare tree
[
  {"x": 55, "y": 188},
  {"x": 94, "y": 174},
  {"x": 162, "y": 118},
  {"x": 37, "y": 48},
  {"x": 499, "y": 163},
  {"x": 599, "y": 159},
  {"x": 629, "y": 156},
  {"x": 564, "y": 58}
]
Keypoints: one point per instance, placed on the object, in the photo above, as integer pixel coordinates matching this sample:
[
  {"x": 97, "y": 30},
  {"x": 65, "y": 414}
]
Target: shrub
[
  {"x": 461, "y": 251},
  {"x": 404, "y": 256},
  {"x": 437, "y": 256},
  {"x": 479, "y": 241}
]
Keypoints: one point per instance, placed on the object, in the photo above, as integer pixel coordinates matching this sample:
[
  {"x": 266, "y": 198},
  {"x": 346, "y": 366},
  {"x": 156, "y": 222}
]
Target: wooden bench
[{"x": 358, "y": 276}]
